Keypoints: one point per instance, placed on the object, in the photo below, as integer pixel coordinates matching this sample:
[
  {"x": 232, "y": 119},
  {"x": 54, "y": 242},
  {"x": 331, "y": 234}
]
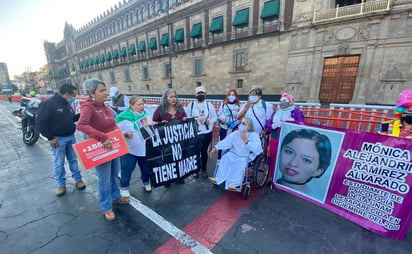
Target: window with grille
[
  {"x": 127, "y": 75},
  {"x": 197, "y": 66},
  {"x": 112, "y": 77},
  {"x": 145, "y": 73},
  {"x": 240, "y": 83},
  {"x": 100, "y": 76},
  {"x": 240, "y": 60},
  {"x": 167, "y": 70}
]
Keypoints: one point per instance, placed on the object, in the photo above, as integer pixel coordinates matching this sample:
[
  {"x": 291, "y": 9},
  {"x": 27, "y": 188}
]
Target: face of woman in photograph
[
  {"x": 138, "y": 106},
  {"x": 299, "y": 161},
  {"x": 171, "y": 99},
  {"x": 100, "y": 95}
]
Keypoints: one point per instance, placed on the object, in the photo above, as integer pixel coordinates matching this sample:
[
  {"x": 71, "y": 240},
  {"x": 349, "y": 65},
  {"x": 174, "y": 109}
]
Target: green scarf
[{"x": 129, "y": 115}]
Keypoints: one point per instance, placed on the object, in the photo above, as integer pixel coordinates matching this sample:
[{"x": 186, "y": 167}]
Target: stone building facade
[{"x": 358, "y": 53}]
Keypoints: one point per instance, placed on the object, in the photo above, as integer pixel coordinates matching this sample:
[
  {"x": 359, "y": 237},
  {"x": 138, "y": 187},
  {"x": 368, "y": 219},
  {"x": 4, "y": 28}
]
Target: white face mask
[
  {"x": 242, "y": 127},
  {"x": 231, "y": 98},
  {"x": 253, "y": 98}
]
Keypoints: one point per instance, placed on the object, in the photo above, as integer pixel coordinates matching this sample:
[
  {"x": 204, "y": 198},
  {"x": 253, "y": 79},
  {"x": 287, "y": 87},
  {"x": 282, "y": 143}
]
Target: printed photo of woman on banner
[{"x": 306, "y": 160}]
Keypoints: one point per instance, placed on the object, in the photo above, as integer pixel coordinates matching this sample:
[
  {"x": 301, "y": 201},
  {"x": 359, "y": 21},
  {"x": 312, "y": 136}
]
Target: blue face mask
[
  {"x": 242, "y": 127},
  {"x": 253, "y": 98},
  {"x": 72, "y": 99},
  {"x": 231, "y": 98}
]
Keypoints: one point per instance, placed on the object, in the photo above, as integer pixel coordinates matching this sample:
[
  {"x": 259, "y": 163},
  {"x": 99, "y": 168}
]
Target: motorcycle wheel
[{"x": 30, "y": 137}]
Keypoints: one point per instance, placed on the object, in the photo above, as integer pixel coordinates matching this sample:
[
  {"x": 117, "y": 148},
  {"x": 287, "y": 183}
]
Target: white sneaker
[
  {"x": 124, "y": 193},
  {"x": 147, "y": 187}
]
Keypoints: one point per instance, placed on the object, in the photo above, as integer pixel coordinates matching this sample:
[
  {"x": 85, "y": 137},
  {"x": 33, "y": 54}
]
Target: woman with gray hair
[
  {"x": 96, "y": 120},
  {"x": 169, "y": 108},
  {"x": 242, "y": 146}
]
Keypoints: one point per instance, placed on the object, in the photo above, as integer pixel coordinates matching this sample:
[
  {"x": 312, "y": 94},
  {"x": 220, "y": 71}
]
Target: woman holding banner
[
  {"x": 285, "y": 112},
  {"x": 131, "y": 121},
  {"x": 304, "y": 154},
  {"x": 169, "y": 109},
  {"x": 96, "y": 120},
  {"x": 402, "y": 126}
]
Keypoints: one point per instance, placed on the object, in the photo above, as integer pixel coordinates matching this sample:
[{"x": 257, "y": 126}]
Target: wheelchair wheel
[
  {"x": 246, "y": 193},
  {"x": 261, "y": 167}
]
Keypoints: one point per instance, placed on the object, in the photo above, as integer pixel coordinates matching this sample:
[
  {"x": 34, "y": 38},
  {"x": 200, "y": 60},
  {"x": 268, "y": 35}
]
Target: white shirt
[
  {"x": 262, "y": 115},
  {"x": 228, "y": 112},
  {"x": 202, "y": 111},
  {"x": 137, "y": 144}
]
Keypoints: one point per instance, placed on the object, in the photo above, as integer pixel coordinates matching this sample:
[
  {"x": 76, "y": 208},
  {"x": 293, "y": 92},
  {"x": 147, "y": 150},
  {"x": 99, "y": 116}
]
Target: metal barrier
[{"x": 365, "y": 118}]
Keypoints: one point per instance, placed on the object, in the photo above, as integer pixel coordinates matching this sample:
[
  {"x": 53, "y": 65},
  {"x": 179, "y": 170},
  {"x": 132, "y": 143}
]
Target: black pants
[{"x": 205, "y": 140}]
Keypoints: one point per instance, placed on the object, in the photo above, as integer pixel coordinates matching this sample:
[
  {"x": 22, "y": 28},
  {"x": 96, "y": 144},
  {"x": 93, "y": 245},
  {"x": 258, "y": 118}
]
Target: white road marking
[{"x": 171, "y": 229}]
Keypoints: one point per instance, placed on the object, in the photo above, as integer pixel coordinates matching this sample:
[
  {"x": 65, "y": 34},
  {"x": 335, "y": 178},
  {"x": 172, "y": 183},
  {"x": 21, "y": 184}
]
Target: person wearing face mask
[
  {"x": 120, "y": 102},
  {"x": 257, "y": 110},
  {"x": 285, "y": 112},
  {"x": 227, "y": 115},
  {"x": 205, "y": 116},
  {"x": 243, "y": 145},
  {"x": 402, "y": 125},
  {"x": 130, "y": 122},
  {"x": 55, "y": 121}
]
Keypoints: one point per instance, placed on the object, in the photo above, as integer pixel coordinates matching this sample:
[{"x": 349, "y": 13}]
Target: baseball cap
[
  {"x": 113, "y": 91},
  {"x": 200, "y": 89}
]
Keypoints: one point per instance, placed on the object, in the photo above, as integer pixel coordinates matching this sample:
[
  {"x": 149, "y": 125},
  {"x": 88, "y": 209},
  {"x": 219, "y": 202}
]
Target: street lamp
[{"x": 170, "y": 42}]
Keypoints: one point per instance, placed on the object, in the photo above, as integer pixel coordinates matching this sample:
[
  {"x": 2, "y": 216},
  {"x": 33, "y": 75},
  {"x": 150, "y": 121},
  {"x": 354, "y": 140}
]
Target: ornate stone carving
[
  {"x": 364, "y": 30},
  {"x": 343, "y": 50},
  {"x": 327, "y": 36},
  {"x": 345, "y": 33}
]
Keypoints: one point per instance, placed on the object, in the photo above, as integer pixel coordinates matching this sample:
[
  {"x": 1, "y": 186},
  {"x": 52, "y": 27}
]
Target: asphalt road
[{"x": 192, "y": 218}]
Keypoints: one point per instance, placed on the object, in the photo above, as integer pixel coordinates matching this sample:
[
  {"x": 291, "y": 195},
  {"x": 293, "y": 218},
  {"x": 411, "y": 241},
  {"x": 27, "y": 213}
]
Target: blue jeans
[
  {"x": 108, "y": 185},
  {"x": 65, "y": 150},
  {"x": 128, "y": 164}
]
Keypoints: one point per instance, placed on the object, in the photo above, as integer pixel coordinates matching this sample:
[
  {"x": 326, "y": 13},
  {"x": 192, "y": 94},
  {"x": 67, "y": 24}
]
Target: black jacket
[{"x": 56, "y": 117}]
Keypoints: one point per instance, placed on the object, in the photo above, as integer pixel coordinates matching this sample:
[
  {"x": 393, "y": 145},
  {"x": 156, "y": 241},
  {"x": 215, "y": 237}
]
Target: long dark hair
[
  {"x": 163, "y": 106},
  {"x": 322, "y": 144}
]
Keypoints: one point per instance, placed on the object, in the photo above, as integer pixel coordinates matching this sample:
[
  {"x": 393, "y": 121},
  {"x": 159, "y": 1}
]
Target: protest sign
[
  {"x": 91, "y": 152},
  {"x": 173, "y": 152},
  {"x": 364, "y": 177}
]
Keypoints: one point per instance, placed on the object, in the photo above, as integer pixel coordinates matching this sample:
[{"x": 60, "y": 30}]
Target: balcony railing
[{"x": 352, "y": 10}]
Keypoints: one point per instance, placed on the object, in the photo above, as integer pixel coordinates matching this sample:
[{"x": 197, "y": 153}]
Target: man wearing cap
[
  {"x": 402, "y": 125},
  {"x": 205, "y": 116},
  {"x": 120, "y": 102}
]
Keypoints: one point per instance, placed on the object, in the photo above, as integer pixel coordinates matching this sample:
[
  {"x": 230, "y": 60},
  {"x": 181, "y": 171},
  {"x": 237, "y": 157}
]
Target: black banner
[{"x": 173, "y": 152}]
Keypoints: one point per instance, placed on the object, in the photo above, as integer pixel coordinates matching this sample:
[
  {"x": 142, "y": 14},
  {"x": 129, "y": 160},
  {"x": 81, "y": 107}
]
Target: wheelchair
[{"x": 256, "y": 171}]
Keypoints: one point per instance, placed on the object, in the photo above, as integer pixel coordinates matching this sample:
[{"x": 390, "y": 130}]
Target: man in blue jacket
[{"x": 55, "y": 121}]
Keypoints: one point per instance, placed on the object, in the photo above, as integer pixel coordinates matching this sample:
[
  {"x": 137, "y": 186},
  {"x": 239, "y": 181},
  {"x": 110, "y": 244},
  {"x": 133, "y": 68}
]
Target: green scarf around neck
[{"x": 129, "y": 115}]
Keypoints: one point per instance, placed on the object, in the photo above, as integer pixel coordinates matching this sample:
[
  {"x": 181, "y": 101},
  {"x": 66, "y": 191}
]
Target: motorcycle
[{"x": 28, "y": 113}]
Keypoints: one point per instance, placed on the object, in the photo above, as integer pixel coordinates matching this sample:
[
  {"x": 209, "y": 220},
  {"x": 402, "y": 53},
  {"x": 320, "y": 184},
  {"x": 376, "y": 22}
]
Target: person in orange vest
[{"x": 402, "y": 125}]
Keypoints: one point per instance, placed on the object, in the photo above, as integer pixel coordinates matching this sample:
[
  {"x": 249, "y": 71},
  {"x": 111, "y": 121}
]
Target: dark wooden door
[{"x": 338, "y": 79}]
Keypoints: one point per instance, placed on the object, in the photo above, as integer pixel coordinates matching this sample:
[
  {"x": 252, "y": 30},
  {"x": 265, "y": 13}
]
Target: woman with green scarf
[{"x": 130, "y": 122}]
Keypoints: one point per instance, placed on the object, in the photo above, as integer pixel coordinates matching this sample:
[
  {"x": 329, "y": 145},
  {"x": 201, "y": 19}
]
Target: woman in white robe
[{"x": 242, "y": 146}]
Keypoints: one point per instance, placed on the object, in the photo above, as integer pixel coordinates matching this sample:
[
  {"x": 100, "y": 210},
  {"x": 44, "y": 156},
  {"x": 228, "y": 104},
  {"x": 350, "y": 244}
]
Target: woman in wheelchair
[{"x": 239, "y": 148}]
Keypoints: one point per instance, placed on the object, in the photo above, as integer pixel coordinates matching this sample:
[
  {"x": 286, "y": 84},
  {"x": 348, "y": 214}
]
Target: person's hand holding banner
[{"x": 92, "y": 152}]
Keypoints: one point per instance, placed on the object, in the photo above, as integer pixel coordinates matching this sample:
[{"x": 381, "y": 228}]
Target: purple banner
[{"x": 364, "y": 177}]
